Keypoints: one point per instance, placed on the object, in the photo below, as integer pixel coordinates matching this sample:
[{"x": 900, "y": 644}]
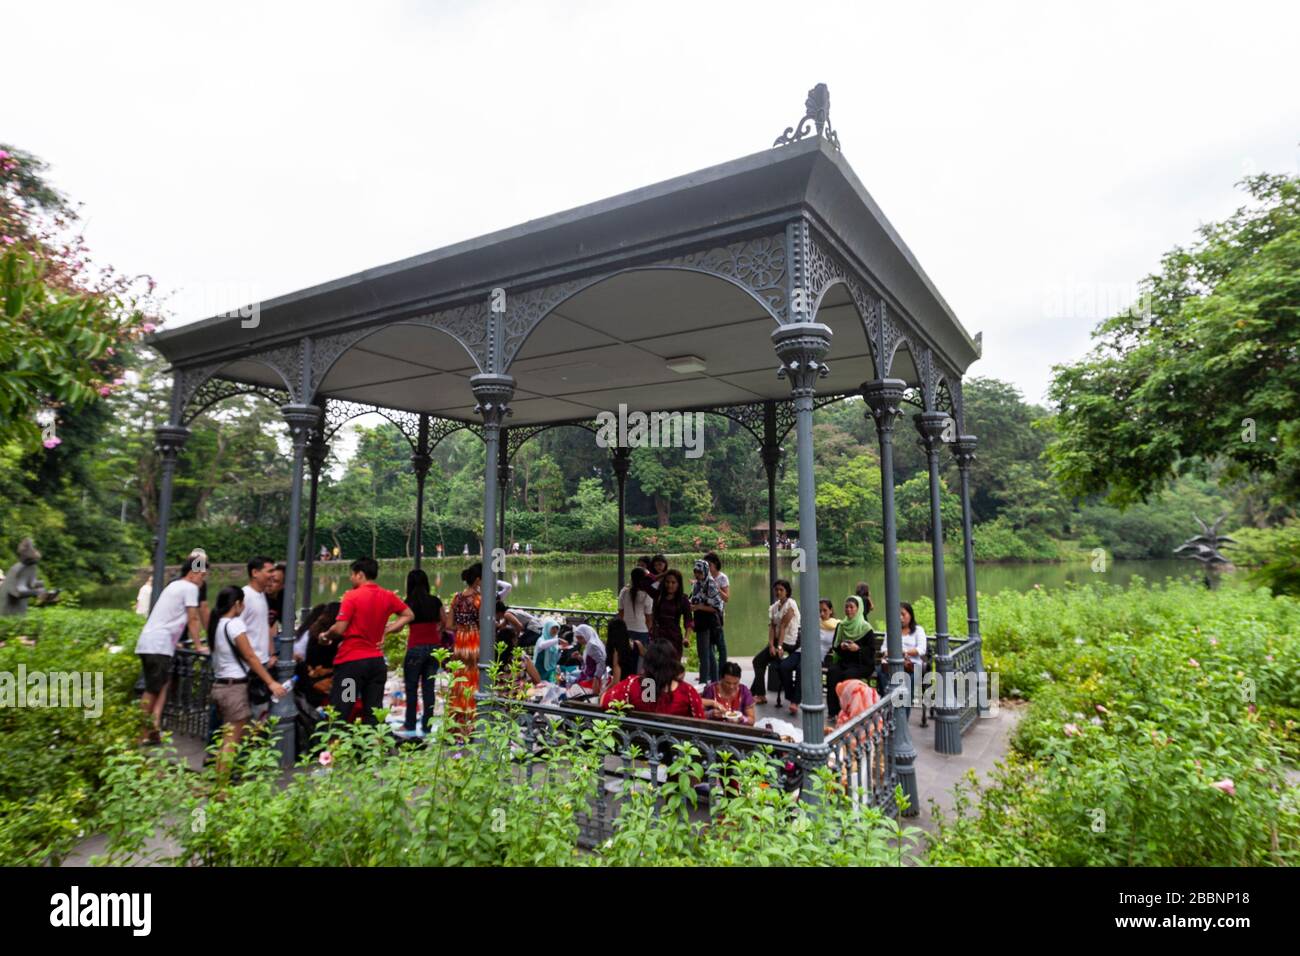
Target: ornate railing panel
[
  {"x": 860, "y": 757},
  {"x": 967, "y": 681},
  {"x": 189, "y": 701},
  {"x": 644, "y": 747}
]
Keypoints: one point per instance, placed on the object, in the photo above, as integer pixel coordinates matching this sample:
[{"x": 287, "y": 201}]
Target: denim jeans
[
  {"x": 707, "y": 642},
  {"x": 419, "y": 669}
]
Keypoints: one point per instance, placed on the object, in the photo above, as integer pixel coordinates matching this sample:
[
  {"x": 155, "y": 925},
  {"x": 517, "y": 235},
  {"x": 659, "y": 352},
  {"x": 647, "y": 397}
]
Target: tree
[
  {"x": 61, "y": 324},
  {"x": 1208, "y": 369}
]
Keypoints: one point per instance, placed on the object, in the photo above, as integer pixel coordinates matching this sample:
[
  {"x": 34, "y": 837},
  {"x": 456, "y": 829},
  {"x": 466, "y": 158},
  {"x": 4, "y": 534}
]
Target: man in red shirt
[{"x": 359, "y": 666}]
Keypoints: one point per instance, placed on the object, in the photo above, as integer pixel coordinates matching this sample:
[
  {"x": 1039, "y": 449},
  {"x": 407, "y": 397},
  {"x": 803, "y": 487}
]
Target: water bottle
[{"x": 288, "y": 685}]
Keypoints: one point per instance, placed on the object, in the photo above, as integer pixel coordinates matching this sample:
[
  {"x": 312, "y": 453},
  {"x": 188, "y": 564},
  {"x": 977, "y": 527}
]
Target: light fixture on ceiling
[{"x": 686, "y": 364}]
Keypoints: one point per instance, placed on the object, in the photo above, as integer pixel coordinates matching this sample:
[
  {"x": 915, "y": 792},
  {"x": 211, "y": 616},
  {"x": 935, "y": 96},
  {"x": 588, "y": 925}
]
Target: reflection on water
[{"x": 746, "y": 620}]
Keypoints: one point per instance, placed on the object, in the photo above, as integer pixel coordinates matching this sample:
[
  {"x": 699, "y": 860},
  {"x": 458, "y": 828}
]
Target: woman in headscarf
[
  {"x": 546, "y": 652},
  {"x": 852, "y": 653},
  {"x": 855, "y": 697}
]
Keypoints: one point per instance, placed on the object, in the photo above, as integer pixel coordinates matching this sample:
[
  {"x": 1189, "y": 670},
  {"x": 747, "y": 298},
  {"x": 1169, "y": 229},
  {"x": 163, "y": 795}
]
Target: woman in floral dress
[{"x": 464, "y": 619}]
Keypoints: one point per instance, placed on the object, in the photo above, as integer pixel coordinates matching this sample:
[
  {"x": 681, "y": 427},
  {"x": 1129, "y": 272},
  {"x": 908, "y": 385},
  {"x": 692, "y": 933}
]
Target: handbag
[{"x": 258, "y": 692}]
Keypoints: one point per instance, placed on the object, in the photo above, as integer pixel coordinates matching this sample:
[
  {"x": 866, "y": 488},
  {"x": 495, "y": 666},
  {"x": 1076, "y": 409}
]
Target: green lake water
[{"x": 746, "y": 622}]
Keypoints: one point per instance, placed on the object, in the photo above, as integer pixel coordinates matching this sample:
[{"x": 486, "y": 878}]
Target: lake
[{"x": 746, "y": 622}]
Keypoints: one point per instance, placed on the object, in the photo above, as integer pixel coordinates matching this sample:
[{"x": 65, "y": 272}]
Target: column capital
[
  {"x": 884, "y": 397},
  {"x": 963, "y": 451},
  {"x": 493, "y": 393},
  {"x": 931, "y": 426},
  {"x": 801, "y": 346},
  {"x": 170, "y": 439},
  {"x": 421, "y": 462},
  {"x": 302, "y": 420}
]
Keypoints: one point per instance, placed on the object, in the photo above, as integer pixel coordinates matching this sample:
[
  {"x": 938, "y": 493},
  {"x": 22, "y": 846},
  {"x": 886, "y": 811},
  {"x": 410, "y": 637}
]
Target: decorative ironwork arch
[
  {"x": 189, "y": 380},
  {"x": 338, "y": 412},
  {"x": 755, "y": 266},
  {"x": 215, "y": 390},
  {"x": 457, "y": 323},
  {"x": 517, "y": 436}
]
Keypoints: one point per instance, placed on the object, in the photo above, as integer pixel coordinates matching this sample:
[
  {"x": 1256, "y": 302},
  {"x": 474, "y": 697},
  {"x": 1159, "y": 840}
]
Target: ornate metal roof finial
[{"x": 818, "y": 114}]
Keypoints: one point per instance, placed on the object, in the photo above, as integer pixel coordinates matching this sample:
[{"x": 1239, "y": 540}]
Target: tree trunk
[{"x": 662, "y": 508}]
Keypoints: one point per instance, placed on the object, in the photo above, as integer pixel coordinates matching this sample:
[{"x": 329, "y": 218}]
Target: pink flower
[
  {"x": 52, "y": 442},
  {"x": 8, "y": 240},
  {"x": 326, "y": 758},
  {"x": 1072, "y": 730},
  {"x": 1214, "y": 642},
  {"x": 1252, "y": 709},
  {"x": 105, "y": 390},
  {"x": 1226, "y": 785},
  {"x": 1269, "y": 658},
  {"x": 1194, "y": 662},
  {"x": 119, "y": 381},
  {"x": 1102, "y": 710},
  {"x": 149, "y": 327},
  {"x": 5, "y": 154}
]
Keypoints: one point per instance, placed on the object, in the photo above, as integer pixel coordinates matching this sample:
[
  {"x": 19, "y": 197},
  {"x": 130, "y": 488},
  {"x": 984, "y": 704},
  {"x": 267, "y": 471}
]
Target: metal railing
[
  {"x": 644, "y": 747},
  {"x": 967, "y": 679},
  {"x": 189, "y": 700},
  {"x": 860, "y": 756}
]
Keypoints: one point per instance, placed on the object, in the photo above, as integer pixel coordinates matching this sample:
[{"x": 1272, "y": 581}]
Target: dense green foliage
[
  {"x": 1207, "y": 369},
  {"x": 447, "y": 804},
  {"x": 1160, "y": 726},
  {"x": 52, "y": 757}
]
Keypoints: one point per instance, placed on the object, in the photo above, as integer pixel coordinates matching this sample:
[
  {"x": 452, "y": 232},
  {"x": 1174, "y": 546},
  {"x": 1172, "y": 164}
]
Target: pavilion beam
[
  {"x": 801, "y": 347},
  {"x": 884, "y": 397},
  {"x": 964, "y": 454},
  {"x": 493, "y": 392},
  {"x": 421, "y": 461},
  {"x": 301, "y": 419},
  {"x": 771, "y": 452},
  {"x": 932, "y": 427},
  {"x": 622, "y": 461}
]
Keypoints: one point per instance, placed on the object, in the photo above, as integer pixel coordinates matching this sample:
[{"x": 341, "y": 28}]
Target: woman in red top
[
  {"x": 659, "y": 690},
  {"x": 671, "y": 609},
  {"x": 420, "y": 666},
  {"x": 464, "y": 619}
]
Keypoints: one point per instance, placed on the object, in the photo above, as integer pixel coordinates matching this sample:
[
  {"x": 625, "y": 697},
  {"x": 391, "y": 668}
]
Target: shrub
[
  {"x": 52, "y": 757},
  {"x": 1156, "y": 733}
]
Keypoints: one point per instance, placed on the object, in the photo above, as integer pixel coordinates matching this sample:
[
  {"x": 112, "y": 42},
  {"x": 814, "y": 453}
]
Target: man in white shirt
[
  {"x": 257, "y": 618},
  {"x": 176, "y": 611}
]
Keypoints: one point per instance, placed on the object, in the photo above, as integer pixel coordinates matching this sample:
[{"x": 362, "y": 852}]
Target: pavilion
[{"x": 758, "y": 289}]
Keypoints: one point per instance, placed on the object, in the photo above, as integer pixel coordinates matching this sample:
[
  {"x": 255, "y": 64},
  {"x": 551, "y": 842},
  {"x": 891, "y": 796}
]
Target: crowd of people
[{"x": 339, "y": 661}]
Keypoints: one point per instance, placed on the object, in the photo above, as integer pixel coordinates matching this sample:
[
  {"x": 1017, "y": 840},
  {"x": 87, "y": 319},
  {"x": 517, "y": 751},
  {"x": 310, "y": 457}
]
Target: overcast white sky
[{"x": 1038, "y": 158}]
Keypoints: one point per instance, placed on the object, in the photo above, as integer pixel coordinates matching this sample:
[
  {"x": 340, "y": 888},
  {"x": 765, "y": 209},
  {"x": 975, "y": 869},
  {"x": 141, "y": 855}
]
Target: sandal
[{"x": 760, "y": 700}]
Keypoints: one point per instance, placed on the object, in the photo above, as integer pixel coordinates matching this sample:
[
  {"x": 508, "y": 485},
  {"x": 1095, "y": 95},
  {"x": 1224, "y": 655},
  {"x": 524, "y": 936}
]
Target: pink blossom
[
  {"x": 105, "y": 391},
  {"x": 326, "y": 758},
  {"x": 5, "y": 154},
  {"x": 1072, "y": 730},
  {"x": 149, "y": 327},
  {"x": 1194, "y": 662},
  {"x": 119, "y": 381},
  {"x": 1269, "y": 658},
  {"x": 1102, "y": 710},
  {"x": 52, "y": 441},
  {"x": 1214, "y": 642},
  {"x": 8, "y": 240},
  {"x": 1226, "y": 785},
  {"x": 1252, "y": 709}
]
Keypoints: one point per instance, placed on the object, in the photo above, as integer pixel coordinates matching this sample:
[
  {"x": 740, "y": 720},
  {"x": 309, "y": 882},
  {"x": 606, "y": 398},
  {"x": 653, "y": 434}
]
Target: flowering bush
[{"x": 1160, "y": 740}]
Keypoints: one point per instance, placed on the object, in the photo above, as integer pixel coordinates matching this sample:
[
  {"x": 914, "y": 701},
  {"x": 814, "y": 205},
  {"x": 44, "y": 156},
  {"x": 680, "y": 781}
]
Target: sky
[{"x": 1037, "y": 158}]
